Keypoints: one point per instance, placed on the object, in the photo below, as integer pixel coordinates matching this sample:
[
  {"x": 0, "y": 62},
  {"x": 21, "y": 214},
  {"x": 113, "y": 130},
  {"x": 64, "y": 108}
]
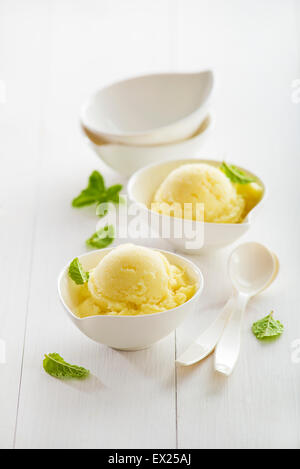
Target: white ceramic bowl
[
  {"x": 127, "y": 159},
  {"x": 149, "y": 109},
  {"x": 144, "y": 183},
  {"x": 129, "y": 332}
]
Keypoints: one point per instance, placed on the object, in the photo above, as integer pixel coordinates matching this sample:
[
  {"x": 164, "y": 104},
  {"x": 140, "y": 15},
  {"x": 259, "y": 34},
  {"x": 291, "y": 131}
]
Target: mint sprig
[
  {"x": 56, "y": 366},
  {"x": 235, "y": 175},
  {"x": 77, "y": 273},
  {"x": 112, "y": 193},
  {"x": 101, "y": 238},
  {"x": 103, "y": 208},
  {"x": 97, "y": 192},
  {"x": 267, "y": 327}
]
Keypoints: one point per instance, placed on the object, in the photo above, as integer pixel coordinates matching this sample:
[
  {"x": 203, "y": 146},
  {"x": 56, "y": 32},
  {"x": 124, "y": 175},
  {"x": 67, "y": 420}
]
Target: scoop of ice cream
[
  {"x": 132, "y": 280},
  {"x": 195, "y": 184},
  {"x": 132, "y": 274}
]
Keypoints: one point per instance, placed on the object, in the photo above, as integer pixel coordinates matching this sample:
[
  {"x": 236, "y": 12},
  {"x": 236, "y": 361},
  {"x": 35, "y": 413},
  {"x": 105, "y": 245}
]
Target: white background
[{"x": 52, "y": 55}]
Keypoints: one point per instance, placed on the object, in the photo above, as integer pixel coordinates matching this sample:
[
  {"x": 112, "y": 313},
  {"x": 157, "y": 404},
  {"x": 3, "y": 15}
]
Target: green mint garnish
[
  {"x": 77, "y": 273},
  {"x": 102, "y": 238},
  {"x": 55, "y": 366},
  {"x": 112, "y": 193},
  {"x": 97, "y": 192},
  {"x": 102, "y": 209},
  {"x": 267, "y": 327},
  {"x": 235, "y": 174}
]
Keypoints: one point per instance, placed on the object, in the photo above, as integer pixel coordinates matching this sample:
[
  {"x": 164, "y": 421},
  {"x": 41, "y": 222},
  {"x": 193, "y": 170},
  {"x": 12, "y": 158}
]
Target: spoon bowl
[{"x": 250, "y": 267}]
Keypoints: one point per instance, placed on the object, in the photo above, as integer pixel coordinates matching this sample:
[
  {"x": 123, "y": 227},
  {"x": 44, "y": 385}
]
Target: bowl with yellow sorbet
[
  {"x": 129, "y": 297},
  {"x": 209, "y": 200}
]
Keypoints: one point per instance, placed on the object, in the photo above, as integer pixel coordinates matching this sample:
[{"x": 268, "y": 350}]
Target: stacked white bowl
[{"x": 149, "y": 119}]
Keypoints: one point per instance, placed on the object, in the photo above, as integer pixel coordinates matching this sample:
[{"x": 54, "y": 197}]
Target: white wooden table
[{"x": 52, "y": 54}]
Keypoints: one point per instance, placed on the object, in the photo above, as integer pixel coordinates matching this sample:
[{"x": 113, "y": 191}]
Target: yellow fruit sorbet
[
  {"x": 200, "y": 183},
  {"x": 133, "y": 280}
]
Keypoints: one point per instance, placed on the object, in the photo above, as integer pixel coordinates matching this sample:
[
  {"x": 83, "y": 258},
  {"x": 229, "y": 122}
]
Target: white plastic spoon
[
  {"x": 207, "y": 341},
  {"x": 252, "y": 268}
]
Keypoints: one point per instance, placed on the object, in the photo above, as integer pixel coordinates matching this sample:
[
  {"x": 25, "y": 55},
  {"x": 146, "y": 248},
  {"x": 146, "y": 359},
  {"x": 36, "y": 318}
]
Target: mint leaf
[
  {"x": 102, "y": 238},
  {"x": 112, "y": 196},
  {"x": 55, "y": 366},
  {"x": 267, "y": 327},
  {"x": 102, "y": 209},
  {"x": 77, "y": 273},
  {"x": 122, "y": 200},
  {"x": 96, "y": 192},
  {"x": 235, "y": 174},
  {"x": 112, "y": 193},
  {"x": 96, "y": 181}
]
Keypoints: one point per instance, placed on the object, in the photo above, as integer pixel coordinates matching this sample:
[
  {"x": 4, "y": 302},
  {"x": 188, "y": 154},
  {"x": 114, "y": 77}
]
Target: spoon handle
[
  {"x": 228, "y": 347},
  {"x": 206, "y": 342}
]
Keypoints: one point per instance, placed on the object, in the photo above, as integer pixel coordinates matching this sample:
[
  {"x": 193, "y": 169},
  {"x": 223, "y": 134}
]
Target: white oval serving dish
[
  {"x": 149, "y": 110},
  {"x": 142, "y": 187},
  {"x": 129, "y": 332},
  {"x": 126, "y": 159}
]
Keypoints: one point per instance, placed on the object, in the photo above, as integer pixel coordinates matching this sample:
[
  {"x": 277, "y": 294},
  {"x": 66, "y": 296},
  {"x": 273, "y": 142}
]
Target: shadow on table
[{"x": 89, "y": 385}]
